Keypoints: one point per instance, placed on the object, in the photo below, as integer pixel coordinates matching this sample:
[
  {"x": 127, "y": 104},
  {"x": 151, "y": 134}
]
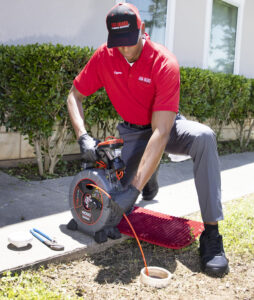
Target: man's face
[{"x": 132, "y": 53}]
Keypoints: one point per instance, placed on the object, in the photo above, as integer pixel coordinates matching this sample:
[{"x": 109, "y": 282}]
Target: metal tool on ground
[{"x": 51, "y": 243}]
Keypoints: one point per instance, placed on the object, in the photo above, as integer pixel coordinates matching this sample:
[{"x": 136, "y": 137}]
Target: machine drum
[{"x": 90, "y": 207}]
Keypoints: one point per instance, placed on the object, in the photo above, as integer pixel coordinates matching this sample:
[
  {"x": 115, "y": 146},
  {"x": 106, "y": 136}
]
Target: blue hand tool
[{"x": 51, "y": 243}]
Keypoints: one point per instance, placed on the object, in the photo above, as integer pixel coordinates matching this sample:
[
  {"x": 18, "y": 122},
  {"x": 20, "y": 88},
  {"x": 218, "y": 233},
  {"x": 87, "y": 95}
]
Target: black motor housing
[
  {"x": 90, "y": 207},
  {"x": 93, "y": 210}
]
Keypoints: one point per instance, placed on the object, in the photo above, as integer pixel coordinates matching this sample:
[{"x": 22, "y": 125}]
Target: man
[{"x": 142, "y": 81}]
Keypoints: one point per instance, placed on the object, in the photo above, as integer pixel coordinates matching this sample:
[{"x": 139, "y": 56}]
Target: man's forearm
[
  {"x": 150, "y": 159},
  {"x": 154, "y": 149},
  {"x": 74, "y": 104}
]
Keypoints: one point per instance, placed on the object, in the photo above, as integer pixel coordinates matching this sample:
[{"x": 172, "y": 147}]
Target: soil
[{"x": 114, "y": 274}]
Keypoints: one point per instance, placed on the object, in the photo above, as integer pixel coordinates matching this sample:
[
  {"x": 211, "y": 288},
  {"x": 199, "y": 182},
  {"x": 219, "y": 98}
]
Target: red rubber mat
[{"x": 160, "y": 229}]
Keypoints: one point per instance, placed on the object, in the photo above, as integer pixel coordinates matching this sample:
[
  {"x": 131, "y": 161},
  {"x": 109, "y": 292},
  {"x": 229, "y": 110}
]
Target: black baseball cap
[{"x": 123, "y": 23}]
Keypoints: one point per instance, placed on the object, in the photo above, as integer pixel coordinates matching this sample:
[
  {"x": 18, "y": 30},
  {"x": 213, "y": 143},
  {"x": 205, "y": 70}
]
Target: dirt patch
[{"x": 114, "y": 274}]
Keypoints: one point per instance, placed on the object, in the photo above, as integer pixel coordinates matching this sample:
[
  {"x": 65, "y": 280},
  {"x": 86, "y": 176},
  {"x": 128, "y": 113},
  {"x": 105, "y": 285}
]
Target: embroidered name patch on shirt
[{"x": 144, "y": 79}]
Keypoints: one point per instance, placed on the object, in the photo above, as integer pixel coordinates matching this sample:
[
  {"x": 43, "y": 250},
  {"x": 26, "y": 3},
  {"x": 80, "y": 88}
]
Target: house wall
[
  {"x": 79, "y": 22},
  {"x": 247, "y": 44},
  {"x": 189, "y": 32}
]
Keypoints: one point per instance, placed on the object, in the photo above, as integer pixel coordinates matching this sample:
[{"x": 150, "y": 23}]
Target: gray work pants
[{"x": 188, "y": 138}]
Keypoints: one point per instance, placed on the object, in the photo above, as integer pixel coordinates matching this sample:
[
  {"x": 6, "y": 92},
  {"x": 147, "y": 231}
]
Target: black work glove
[
  {"x": 121, "y": 202},
  {"x": 87, "y": 147},
  {"x": 126, "y": 199}
]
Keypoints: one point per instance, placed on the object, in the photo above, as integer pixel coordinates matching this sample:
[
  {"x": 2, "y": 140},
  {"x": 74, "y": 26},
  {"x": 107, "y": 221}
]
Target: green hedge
[
  {"x": 35, "y": 80},
  {"x": 218, "y": 98},
  {"x": 205, "y": 94}
]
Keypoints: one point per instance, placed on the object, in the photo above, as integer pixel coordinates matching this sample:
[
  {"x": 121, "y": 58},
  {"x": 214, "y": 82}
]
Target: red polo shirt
[{"x": 151, "y": 84}]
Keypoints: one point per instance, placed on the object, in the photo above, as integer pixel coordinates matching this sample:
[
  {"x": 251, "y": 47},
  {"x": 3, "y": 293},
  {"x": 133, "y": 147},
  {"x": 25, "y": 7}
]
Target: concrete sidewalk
[{"x": 44, "y": 205}]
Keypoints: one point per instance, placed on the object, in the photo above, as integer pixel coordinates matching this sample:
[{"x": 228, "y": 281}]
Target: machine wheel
[{"x": 89, "y": 206}]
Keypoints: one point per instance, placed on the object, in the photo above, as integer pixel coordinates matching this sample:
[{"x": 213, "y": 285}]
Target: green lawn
[
  {"x": 27, "y": 285},
  {"x": 238, "y": 227}
]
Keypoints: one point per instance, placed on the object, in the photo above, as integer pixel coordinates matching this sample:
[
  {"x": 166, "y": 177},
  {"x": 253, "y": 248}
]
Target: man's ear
[{"x": 142, "y": 27}]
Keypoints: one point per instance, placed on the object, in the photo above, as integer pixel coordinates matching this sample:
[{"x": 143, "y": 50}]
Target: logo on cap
[{"x": 119, "y": 25}]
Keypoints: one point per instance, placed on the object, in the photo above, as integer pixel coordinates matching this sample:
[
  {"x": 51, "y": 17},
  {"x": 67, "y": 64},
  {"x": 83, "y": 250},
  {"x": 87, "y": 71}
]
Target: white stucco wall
[
  {"x": 69, "y": 22},
  {"x": 247, "y": 43},
  {"x": 189, "y": 32}
]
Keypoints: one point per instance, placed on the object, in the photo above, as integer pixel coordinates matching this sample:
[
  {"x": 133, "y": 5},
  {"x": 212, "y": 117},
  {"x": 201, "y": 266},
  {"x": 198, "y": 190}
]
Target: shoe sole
[{"x": 217, "y": 272}]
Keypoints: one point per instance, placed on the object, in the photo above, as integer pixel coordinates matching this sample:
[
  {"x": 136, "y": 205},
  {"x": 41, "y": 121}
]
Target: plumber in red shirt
[{"x": 142, "y": 80}]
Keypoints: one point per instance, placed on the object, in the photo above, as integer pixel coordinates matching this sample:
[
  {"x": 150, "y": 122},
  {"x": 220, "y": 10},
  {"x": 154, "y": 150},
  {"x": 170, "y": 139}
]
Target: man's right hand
[{"x": 87, "y": 147}]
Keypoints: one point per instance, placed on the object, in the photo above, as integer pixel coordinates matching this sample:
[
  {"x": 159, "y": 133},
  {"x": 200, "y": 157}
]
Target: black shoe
[
  {"x": 149, "y": 192},
  {"x": 213, "y": 259},
  {"x": 151, "y": 189}
]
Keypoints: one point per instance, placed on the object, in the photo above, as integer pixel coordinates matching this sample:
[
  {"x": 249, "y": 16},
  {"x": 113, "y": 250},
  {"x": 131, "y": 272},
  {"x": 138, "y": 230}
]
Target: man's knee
[
  {"x": 205, "y": 140},
  {"x": 206, "y": 136}
]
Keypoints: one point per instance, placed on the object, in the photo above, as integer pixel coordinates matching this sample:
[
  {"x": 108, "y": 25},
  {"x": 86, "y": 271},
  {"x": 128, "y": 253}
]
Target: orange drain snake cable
[{"x": 128, "y": 221}]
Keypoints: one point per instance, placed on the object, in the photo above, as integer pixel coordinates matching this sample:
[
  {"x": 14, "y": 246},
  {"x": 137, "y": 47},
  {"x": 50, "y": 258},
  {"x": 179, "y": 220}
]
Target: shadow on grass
[{"x": 123, "y": 262}]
